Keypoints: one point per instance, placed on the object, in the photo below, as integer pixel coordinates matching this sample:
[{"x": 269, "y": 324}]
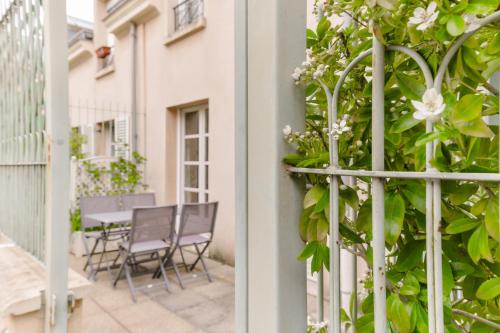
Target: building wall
[{"x": 198, "y": 68}]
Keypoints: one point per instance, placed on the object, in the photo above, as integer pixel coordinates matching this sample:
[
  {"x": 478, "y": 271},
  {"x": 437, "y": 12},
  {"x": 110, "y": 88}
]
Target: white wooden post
[
  {"x": 276, "y": 280},
  {"x": 57, "y": 197}
]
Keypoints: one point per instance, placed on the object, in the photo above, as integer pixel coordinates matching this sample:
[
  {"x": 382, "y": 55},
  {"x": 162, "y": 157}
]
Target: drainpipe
[{"x": 133, "y": 85}]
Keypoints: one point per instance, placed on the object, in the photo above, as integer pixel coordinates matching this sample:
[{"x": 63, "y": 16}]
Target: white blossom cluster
[
  {"x": 340, "y": 127},
  {"x": 292, "y": 136},
  {"x": 310, "y": 67},
  {"x": 316, "y": 327},
  {"x": 431, "y": 106},
  {"x": 424, "y": 18}
]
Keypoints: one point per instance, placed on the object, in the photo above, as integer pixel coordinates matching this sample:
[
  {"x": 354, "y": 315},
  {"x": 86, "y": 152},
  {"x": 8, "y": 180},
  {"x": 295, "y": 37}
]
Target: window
[
  {"x": 186, "y": 13},
  {"x": 194, "y": 164}
]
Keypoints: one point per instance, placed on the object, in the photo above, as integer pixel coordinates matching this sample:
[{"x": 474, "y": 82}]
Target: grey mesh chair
[
  {"x": 92, "y": 229},
  {"x": 196, "y": 229},
  {"x": 129, "y": 201},
  {"x": 152, "y": 232}
]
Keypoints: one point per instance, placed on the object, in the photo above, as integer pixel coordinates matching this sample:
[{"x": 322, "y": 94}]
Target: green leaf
[
  {"x": 350, "y": 196},
  {"x": 415, "y": 193},
  {"x": 462, "y": 193},
  {"x": 477, "y": 128},
  {"x": 477, "y": 247},
  {"x": 455, "y": 25},
  {"x": 482, "y": 7},
  {"x": 308, "y": 251},
  {"x": 494, "y": 45},
  {"x": 489, "y": 289},
  {"x": 313, "y": 195},
  {"x": 404, "y": 123},
  {"x": 364, "y": 220},
  {"x": 410, "y": 87},
  {"x": 394, "y": 217},
  {"x": 468, "y": 108},
  {"x": 461, "y": 225},
  {"x": 426, "y": 138},
  {"x": 396, "y": 312},
  {"x": 410, "y": 256},
  {"x": 323, "y": 26},
  {"x": 411, "y": 286},
  {"x": 365, "y": 323},
  {"x": 448, "y": 280},
  {"x": 491, "y": 219}
]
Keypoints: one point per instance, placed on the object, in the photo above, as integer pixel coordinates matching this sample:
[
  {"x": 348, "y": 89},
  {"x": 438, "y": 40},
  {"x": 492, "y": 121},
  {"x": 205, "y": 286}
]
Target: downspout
[{"x": 133, "y": 85}]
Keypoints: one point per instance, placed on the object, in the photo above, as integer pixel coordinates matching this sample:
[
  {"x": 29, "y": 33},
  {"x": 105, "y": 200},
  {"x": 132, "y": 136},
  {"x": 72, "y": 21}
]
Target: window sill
[
  {"x": 186, "y": 32},
  {"x": 105, "y": 71}
]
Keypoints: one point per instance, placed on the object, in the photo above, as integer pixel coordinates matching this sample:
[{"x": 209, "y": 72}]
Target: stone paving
[{"x": 200, "y": 307}]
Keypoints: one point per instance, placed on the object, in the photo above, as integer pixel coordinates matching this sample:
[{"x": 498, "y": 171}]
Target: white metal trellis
[
  {"x": 34, "y": 130},
  {"x": 433, "y": 188}
]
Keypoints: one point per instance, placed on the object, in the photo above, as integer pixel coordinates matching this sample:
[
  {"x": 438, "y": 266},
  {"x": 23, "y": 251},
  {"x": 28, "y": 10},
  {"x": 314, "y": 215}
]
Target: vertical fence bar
[
  {"x": 241, "y": 160},
  {"x": 319, "y": 296},
  {"x": 335, "y": 324},
  {"x": 378, "y": 242},
  {"x": 351, "y": 214},
  {"x": 57, "y": 175}
]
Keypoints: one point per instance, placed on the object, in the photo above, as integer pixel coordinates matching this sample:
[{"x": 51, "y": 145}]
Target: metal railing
[
  {"x": 378, "y": 176},
  {"x": 22, "y": 125},
  {"x": 84, "y": 34},
  {"x": 187, "y": 12},
  {"x": 115, "y": 5}
]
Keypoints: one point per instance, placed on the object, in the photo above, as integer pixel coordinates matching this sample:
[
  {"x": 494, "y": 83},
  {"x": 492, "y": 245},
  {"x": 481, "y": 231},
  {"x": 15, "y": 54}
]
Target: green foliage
[
  {"x": 466, "y": 143},
  {"x": 119, "y": 177},
  {"x": 76, "y": 141}
]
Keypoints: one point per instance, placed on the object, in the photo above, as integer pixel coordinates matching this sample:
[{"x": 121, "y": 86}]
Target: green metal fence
[{"x": 22, "y": 124}]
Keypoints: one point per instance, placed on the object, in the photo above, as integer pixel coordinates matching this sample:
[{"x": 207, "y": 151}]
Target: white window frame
[{"x": 203, "y": 161}]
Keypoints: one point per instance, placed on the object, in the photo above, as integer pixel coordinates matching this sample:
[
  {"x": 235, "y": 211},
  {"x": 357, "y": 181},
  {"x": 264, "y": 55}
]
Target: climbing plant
[{"x": 464, "y": 113}]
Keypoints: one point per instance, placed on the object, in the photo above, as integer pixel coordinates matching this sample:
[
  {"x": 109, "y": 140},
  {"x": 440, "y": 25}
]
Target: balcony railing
[
  {"x": 113, "y": 6},
  {"x": 187, "y": 12},
  {"x": 84, "y": 34}
]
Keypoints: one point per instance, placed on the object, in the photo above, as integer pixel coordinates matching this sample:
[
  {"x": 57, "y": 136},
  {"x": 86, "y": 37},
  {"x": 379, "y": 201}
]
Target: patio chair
[
  {"x": 196, "y": 229},
  {"x": 92, "y": 229},
  {"x": 152, "y": 232},
  {"x": 129, "y": 201}
]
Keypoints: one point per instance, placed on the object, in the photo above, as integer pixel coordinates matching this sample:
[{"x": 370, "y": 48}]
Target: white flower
[
  {"x": 320, "y": 71},
  {"x": 472, "y": 22},
  {"x": 309, "y": 53},
  {"x": 359, "y": 143},
  {"x": 424, "y": 18},
  {"x": 287, "y": 130},
  {"x": 328, "y": 179},
  {"x": 343, "y": 187},
  {"x": 431, "y": 106},
  {"x": 297, "y": 73}
]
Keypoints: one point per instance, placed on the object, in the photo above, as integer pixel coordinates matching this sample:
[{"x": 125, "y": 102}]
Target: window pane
[
  {"x": 206, "y": 197},
  {"x": 190, "y": 197},
  {"x": 206, "y": 149},
  {"x": 206, "y": 121},
  {"x": 191, "y": 150},
  {"x": 192, "y": 119},
  {"x": 191, "y": 176},
  {"x": 206, "y": 177}
]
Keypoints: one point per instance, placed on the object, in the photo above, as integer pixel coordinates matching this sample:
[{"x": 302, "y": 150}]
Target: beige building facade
[{"x": 164, "y": 76}]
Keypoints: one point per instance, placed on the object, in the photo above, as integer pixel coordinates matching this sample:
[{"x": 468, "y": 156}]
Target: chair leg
[
  {"x": 202, "y": 261},
  {"x": 174, "y": 264},
  {"x": 129, "y": 280},
  {"x": 193, "y": 265},
  {"x": 165, "y": 278},
  {"x": 122, "y": 266},
  {"x": 92, "y": 273},
  {"x": 183, "y": 260}
]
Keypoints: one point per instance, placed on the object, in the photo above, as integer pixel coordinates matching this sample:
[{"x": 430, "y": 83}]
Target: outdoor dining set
[{"x": 144, "y": 233}]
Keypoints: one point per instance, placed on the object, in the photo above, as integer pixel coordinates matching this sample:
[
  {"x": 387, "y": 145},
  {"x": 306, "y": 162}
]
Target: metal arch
[
  {"x": 458, "y": 43},
  {"x": 332, "y": 102}
]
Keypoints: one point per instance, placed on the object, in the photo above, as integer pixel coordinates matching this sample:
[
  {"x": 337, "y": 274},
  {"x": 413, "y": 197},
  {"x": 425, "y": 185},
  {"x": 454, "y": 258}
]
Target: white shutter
[
  {"x": 88, "y": 146},
  {"x": 122, "y": 137}
]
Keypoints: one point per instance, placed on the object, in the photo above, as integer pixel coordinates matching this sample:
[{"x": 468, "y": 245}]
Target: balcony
[
  {"x": 187, "y": 13},
  {"x": 121, "y": 13},
  {"x": 188, "y": 17},
  {"x": 80, "y": 46}
]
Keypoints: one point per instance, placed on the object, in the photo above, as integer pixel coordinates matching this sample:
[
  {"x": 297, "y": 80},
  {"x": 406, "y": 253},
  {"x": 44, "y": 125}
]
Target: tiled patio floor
[{"x": 200, "y": 307}]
